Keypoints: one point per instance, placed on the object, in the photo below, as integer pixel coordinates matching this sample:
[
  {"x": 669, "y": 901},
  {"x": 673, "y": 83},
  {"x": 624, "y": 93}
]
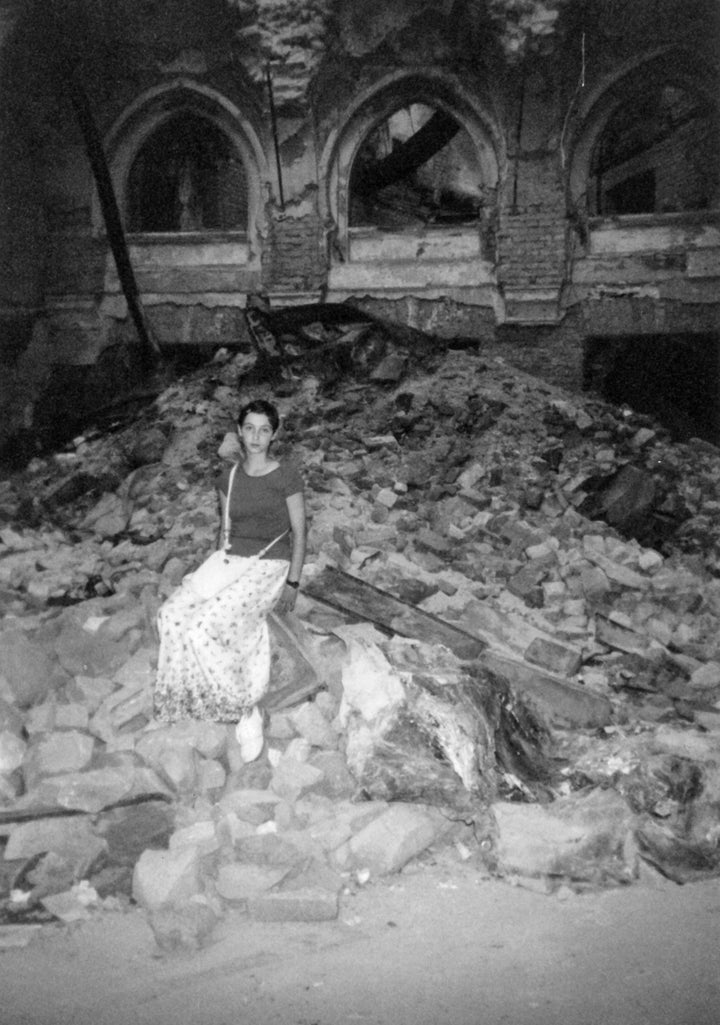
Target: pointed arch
[
  {"x": 156, "y": 108},
  {"x": 665, "y": 66}
]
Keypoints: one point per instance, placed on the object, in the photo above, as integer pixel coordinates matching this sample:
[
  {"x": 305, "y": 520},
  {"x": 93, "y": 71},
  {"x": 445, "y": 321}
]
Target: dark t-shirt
[{"x": 258, "y": 509}]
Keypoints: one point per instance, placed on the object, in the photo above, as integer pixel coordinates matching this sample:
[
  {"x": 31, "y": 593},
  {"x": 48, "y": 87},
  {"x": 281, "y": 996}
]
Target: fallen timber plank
[
  {"x": 350, "y": 594},
  {"x": 561, "y": 701}
]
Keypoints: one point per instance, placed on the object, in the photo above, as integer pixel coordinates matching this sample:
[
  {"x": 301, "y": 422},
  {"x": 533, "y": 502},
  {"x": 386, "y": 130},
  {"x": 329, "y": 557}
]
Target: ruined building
[{"x": 469, "y": 167}]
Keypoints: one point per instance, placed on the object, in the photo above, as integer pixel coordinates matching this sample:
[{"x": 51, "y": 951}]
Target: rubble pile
[{"x": 506, "y": 643}]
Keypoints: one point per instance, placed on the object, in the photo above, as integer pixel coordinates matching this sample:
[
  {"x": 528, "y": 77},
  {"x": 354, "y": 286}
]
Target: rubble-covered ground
[{"x": 529, "y": 685}]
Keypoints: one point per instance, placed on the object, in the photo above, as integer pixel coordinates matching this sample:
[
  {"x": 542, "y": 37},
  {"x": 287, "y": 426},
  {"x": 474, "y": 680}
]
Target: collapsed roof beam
[{"x": 406, "y": 157}]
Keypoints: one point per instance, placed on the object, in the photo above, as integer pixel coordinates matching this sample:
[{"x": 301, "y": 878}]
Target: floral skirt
[{"x": 214, "y": 660}]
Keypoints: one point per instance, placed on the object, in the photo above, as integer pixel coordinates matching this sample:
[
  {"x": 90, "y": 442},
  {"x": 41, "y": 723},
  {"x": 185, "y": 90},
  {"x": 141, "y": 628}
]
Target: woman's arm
[
  {"x": 296, "y": 512},
  {"x": 222, "y": 498}
]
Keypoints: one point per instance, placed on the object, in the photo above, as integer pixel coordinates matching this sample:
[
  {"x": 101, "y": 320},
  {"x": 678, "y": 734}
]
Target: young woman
[{"x": 214, "y": 660}]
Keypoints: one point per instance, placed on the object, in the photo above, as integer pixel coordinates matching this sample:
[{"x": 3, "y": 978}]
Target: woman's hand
[{"x": 286, "y": 602}]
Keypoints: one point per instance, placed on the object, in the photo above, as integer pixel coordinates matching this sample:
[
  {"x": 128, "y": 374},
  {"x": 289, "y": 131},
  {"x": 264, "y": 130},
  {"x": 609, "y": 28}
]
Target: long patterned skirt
[{"x": 214, "y": 661}]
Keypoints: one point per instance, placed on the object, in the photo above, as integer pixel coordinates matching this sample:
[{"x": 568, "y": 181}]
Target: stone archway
[
  {"x": 183, "y": 97},
  {"x": 596, "y": 118},
  {"x": 422, "y": 257},
  {"x": 198, "y": 259}
]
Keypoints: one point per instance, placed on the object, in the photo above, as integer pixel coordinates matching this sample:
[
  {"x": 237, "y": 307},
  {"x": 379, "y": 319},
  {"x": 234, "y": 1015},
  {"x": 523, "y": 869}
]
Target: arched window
[
  {"x": 417, "y": 167},
  {"x": 658, "y": 153},
  {"x": 187, "y": 177}
]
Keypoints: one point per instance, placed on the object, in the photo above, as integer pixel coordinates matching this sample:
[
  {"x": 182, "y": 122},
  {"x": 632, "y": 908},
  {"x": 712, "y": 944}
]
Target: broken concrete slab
[{"x": 584, "y": 837}]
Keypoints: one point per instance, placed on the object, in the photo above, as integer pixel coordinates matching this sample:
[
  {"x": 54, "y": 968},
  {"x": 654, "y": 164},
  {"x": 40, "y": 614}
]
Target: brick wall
[
  {"x": 531, "y": 248},
  {"x": 294, "y": 256}
]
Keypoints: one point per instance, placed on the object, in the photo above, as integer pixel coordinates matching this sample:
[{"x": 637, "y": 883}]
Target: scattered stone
[
  {"x": 27, "y": 668},
  {"x": 391, "y": 840},
  {"x": 166, "y": 878},
  {"x": 238, "y": 883},
  {"x": 186, "y": 928}
]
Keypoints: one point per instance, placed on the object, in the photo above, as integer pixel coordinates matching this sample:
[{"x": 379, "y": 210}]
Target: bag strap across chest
[{"x": 226, "y": 520}]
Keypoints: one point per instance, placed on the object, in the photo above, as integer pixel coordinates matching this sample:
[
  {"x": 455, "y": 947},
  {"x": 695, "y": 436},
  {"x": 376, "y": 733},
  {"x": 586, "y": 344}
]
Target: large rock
[
  {"x": 27, "y": 667},
  {"x": 83, "y": 653},
  {"x": 166, "y": 878},
  {"x": 581, "y": 837},
  {"x": 371, "y": 687},
  {"x": 72, "y": 838}
]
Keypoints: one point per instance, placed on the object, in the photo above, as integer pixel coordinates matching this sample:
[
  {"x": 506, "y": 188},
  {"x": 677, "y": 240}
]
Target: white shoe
[{"x": 249, "y": 734}]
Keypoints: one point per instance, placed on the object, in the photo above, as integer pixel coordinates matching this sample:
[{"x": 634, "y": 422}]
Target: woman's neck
[{"x": 258, "y": 465}]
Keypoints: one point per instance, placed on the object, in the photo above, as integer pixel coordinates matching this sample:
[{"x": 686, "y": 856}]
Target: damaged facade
[{"x": 467, "y": 168}]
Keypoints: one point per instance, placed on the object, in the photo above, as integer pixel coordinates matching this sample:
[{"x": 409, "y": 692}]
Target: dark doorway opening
[{"x": 674, "y": 378}]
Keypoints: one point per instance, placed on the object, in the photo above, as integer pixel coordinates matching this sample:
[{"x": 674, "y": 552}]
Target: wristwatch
[{"x": 292, "y": 583}]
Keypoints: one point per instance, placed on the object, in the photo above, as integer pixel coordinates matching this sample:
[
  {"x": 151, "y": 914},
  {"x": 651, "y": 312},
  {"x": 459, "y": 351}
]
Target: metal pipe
[{"x": 273, "y": 122}]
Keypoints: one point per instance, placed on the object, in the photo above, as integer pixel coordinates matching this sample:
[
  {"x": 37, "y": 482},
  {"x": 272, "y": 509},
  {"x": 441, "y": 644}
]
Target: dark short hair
[{"x": 264, "y": 409}]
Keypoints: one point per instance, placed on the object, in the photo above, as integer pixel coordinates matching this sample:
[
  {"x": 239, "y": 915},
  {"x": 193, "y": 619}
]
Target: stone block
[
  {"x": 239, "y": 882},
  {"x": 254, "y": 806},
  {"x": 292, "y": 778},
  {"x": 52, "y": 754},
  {"x": 268, "y": 849},
  {"x": 390, "y": 841},
  {"x": 210, "y": 775},
  {"x": 311, "y": 723},
  {"x": 208, "y": 739},
  {"x": 12, "y": 751},
  {"x": 88, "y": 791},
  {"x": 200, "y": 835},
  {"x": 313, "y": 895},
  {"x": 556, "y": 658},
  {"x": 138, "y": 671},
  {"x": 595, "y": 584},
  {"x": 82, "y": 653},
  {"x": 72, "y": 838},
  {"x": 27, "y": 667},
  {"x": 41, "y": 718},
  {"x": 586, "y": 837},
  {"x": 166, "y": 878},
  {"x": 337, "y": 780},
  {"x": 185, "y": 928},
  {"x": 72, "y": 716},
  {"x": 434, "y": 543},
  {"x": 11, "y": 718},
  {"x": 94, "y": 690},
  {"x": 707, "y": 677}
]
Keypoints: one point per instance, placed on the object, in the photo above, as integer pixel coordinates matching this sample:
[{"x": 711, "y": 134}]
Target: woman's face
[{"x": 256, "y": 433}]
